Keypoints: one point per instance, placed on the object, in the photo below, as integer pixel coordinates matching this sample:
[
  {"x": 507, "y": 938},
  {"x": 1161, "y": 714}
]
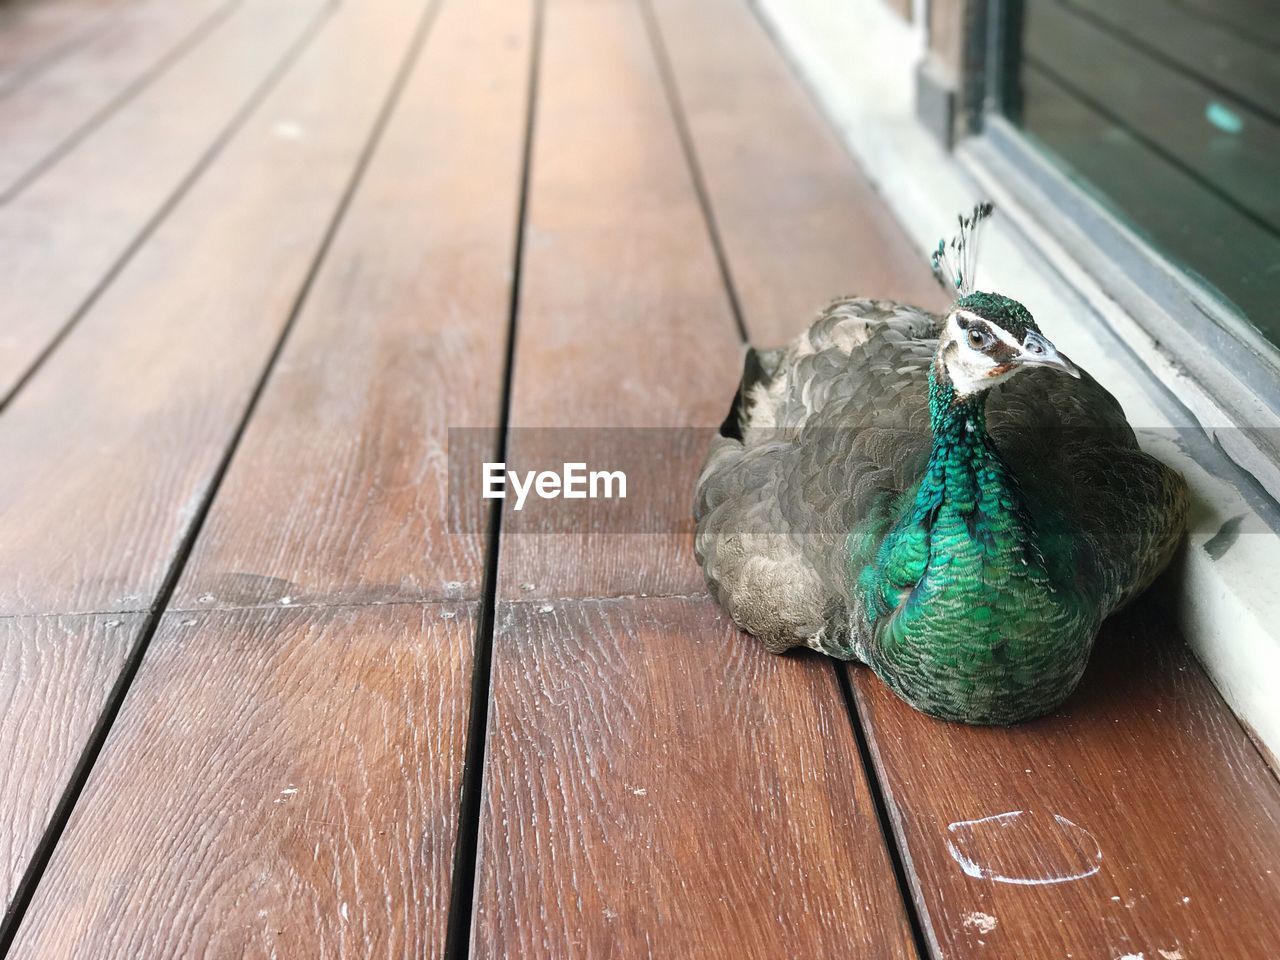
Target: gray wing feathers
[
  {"x": 835, "y": 431},
  {"x": 839, "y": 433},
  {"x": 1068, "y": 441}
]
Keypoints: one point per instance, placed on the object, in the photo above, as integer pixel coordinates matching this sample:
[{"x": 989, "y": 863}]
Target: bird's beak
[{"x": 1039, "y": 352}]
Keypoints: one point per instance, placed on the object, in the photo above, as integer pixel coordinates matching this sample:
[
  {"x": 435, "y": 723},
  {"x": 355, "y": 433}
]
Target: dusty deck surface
[{"x": 264, "y": 696}]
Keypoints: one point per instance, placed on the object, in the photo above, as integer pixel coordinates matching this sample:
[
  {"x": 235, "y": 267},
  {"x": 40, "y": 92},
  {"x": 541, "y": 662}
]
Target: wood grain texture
[
  {"x": 110, "y": 451},
  {"x": 339, "y": 488},
  {"x": 63, "y": 235},
  {"x": 659, "y": 786},
  {"x": 1181, "y": 815},
  {"x": 1163, "y": 105},
  {"x": 624, "y": 322},
  {"x": 34, "y": 34},
  {"x": 799, "y": 222},
  {"x": 652, "y": 788},
  {"x": 55, "y": 676},
  {"x": 45, "y": 113},
  {"x": 248, "y": 804}
]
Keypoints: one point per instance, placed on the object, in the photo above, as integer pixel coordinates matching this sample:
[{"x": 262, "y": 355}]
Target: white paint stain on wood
[
  {"x": 982, "y": 922},
  {"x": 973, "y": 844},
  {"x": 285, "y": 794},
  {"x": 289, "y": 130}
]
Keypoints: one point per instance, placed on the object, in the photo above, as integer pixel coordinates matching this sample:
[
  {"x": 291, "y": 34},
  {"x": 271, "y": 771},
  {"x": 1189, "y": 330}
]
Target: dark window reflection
[{"x": 1169, "y": 112}]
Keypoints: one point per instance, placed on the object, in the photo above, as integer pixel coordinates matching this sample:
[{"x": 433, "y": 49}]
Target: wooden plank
[
  {"x": 339, "y": 487},
  {"x": 1167, "y": 805},
  {"x": 47, "y": 113},
  {"x": 111, "y": 449},
  {"x": 1172, "y": 209},
  {"x": 35, "y": 33},
  {"x": 799, "y": 222},
  {"x": 1166, "y": 107},
  {"x": 55, "y": 676},
  {"x": 1217, "y": 55},
  {"x": 337, "y": 483},
  {"x": 621, "y": 309},
  {"x": 657, "y": 786},
  {"x": 262, "y": 807},
  {"x": 653, "y": 787},
  {"x": 65, "y": 234}
]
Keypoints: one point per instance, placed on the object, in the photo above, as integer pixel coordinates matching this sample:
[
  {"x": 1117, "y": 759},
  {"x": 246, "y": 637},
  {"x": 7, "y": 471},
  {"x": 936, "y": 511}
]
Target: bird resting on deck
[{"x": 945, "y": 498}]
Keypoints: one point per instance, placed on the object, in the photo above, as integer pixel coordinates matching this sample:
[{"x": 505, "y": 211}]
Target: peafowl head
[{"x": 987, "y": 338}]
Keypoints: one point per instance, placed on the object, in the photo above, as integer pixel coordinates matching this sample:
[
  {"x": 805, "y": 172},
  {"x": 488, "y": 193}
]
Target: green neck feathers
[{"x": 968, "y": 596}]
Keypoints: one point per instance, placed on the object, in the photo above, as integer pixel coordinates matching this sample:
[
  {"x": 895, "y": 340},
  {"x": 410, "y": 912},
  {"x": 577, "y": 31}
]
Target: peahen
[{"x": 947, "y": 499}]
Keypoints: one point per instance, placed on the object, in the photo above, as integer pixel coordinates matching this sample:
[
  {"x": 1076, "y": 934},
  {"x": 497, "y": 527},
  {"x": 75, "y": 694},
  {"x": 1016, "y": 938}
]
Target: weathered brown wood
[
  {"x": 799, "y": 222},
  {"x": 1176, "y": 815},
  {"x": 623, "y": 321},
  {"x": 339, "y": 489},
  {"x": 339, "y": 484},
  {"x": 35, "y": 33},
  {"x": 61, "y": 237},
  {"x": 653, "y": 786},
  {"x": 658, "y": 786},
  {"x": 259, "y": 806},
  {"x": 55, "y": 676},
  {"x": 110, "y": 450},
  {"x": 1164, "y": 106},
  {"x": 1173, "y": 209},
  {"x": 44, "y": 114}
]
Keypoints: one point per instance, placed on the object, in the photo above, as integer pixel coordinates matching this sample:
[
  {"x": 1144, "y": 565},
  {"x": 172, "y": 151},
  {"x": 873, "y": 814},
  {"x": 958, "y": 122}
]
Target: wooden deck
[{"x": 261, "y": 698}]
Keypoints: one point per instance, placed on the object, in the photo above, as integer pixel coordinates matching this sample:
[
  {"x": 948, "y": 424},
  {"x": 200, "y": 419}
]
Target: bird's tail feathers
[{"x": 756, "y": 369}]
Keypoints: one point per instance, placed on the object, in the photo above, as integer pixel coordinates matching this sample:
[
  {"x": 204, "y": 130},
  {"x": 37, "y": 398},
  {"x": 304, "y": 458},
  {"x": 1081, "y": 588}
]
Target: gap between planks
[
  {"x": 470, "y": 805},
  {"x": 150, "y": 225},
  {"x": 189, "y": 41},
  {"x": 899, "y": 855},
  {"x": 21, "y": 74},
  {"x": 12, "y": 919},
  {"x": 489, "y": 933}
]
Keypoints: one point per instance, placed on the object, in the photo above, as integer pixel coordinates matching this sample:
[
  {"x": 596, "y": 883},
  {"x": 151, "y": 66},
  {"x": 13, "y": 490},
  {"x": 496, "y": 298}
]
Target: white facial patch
[{"x": 970, "y": 369}]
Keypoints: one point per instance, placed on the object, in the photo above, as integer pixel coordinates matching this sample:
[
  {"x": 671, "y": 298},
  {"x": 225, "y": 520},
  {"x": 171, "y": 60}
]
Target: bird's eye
[
  {"x": 977, "y": 338},
  {"x": 1035, "y": 346}
]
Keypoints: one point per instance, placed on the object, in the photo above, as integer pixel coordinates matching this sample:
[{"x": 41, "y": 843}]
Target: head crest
[{"x": 955, "y": 262}]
